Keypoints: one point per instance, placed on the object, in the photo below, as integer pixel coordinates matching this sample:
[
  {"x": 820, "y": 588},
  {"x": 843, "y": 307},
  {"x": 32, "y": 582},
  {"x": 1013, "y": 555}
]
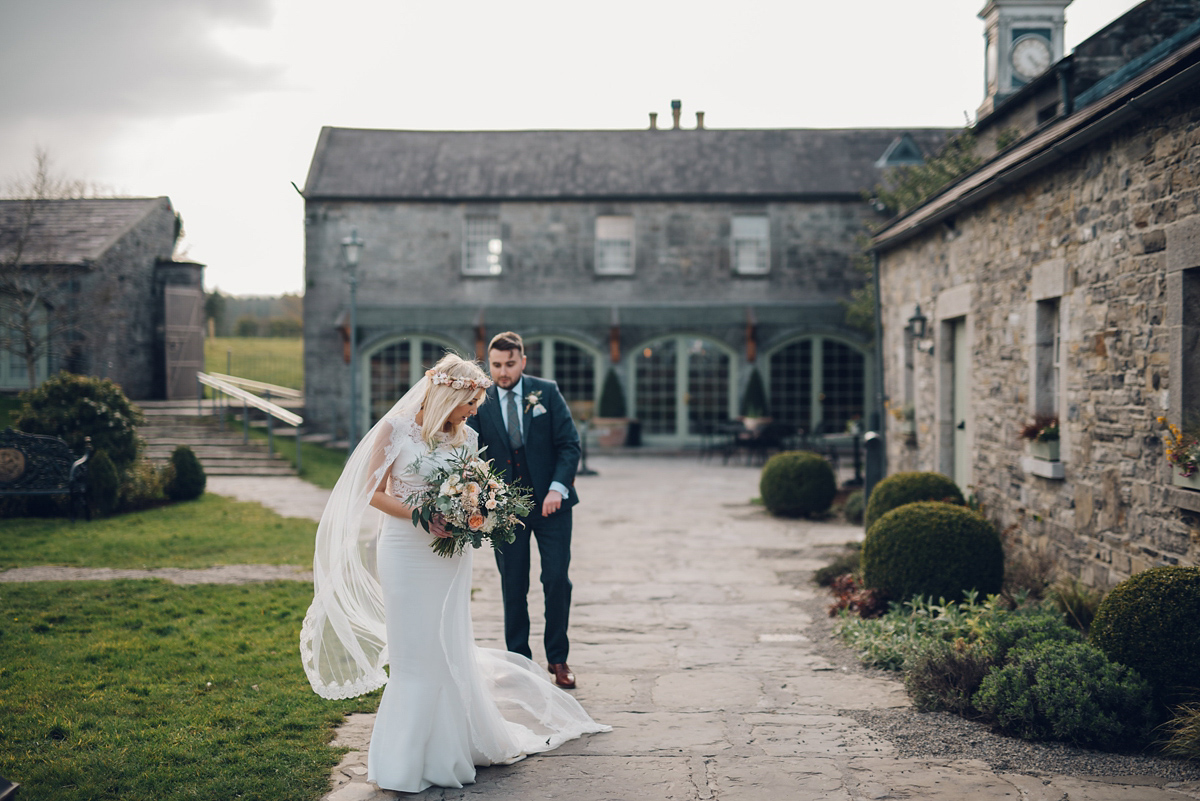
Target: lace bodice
[{"x": 407, "y": 447}]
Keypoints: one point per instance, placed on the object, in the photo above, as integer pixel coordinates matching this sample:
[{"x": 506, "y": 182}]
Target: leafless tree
[{"x": 38, "y": 316}]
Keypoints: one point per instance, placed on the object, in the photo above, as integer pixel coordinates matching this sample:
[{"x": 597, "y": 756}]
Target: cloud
[{"x": 77, "y": 59}]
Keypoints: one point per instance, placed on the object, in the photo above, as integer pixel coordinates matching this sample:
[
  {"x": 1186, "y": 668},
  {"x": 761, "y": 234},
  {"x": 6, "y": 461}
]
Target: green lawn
[
  {"x": 275, "y": 360},
  {"x": 322, "y": 465},
  {"x": 212, "y": 530},
  {"x": 147, "y": 691}
]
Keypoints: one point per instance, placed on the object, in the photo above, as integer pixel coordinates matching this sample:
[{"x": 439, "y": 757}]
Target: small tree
[
  {"x": 612, "y": 398},
  {"x": 754, "y": 402}
]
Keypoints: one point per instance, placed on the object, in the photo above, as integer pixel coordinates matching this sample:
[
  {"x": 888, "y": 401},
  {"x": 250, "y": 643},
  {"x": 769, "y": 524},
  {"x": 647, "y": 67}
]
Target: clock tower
[{"x": 1022, "y": 38}]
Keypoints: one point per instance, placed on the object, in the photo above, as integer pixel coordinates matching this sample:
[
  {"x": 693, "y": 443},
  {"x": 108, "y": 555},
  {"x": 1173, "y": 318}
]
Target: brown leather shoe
[{"x": 563, "y": 676}]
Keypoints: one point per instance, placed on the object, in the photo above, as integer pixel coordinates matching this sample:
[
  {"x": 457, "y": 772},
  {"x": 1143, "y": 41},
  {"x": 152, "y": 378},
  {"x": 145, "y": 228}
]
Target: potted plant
[
  {"x": 1183, "y": 452},
  {"x": 906, "y": 422},
  {"x": 1043, "y": 438},
  {"x": 755, "y": 410},
  {"x": 611, "y": 423}
]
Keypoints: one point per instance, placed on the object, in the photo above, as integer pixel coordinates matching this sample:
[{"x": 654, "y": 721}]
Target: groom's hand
[{"x": 552, "y": 503}]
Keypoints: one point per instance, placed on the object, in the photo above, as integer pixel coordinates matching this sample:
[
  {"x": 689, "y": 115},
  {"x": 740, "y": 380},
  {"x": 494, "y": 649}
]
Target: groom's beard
[{"x": 507, "y": 382}]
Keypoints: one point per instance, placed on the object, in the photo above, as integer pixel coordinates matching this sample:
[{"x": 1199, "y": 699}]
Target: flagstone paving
[{"x": 697, "y": 636}]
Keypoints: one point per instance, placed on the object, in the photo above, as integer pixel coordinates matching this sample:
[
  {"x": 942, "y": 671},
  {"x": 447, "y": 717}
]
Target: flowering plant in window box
[
  {"x": 1183, "y": 451},
  {"x": 1043, "y": 437}
]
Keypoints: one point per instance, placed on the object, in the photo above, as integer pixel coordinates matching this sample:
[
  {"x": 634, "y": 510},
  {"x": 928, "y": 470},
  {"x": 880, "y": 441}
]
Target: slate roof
[
  {"x": 70, "y": 231},
  {"x": 576, "y": 165}
]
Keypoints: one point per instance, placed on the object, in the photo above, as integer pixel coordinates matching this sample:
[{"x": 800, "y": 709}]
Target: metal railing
[{"x": 227, "y": 388}]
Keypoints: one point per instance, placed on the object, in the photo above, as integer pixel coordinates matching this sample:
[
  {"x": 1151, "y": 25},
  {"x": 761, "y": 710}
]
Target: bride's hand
[{"x": 437, "y": 527}]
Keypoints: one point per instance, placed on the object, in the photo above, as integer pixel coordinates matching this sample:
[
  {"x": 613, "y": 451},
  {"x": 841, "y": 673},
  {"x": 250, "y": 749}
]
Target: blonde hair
[{"x": 441, "y": 399}]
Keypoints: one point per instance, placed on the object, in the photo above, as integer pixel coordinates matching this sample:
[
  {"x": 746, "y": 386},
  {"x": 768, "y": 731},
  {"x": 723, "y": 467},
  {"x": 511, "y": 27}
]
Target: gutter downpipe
[{"x": 880, "y": 422}]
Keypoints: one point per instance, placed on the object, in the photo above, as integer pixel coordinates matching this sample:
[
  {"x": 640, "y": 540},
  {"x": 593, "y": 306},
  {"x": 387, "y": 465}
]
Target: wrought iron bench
[{"x": 33, "y": 464}]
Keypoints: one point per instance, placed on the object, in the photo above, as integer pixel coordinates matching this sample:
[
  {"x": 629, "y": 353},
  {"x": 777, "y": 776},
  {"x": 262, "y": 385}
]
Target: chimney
[
  {"x": 654, "y": 120},
  {"x": 699, "y": 120},
  {"x": 676, "y": 110}
]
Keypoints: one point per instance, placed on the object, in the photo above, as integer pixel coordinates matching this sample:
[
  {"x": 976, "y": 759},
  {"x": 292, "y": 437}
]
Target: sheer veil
[{"x": 343, "y": 641}]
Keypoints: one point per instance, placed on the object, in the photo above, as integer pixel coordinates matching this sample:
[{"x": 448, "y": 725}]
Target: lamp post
[{"x": 351, "y": 248}]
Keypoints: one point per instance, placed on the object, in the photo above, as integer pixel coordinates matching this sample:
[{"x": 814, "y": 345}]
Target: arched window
[
  {"x": 818, "y": 383},
  {"x": 395, "y": 366},
  {"x": 575, "y": 367},
  {"x": 682, "y": 385}
]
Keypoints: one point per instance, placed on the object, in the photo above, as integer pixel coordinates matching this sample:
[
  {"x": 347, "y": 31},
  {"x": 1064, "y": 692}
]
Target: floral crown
[{"x": 457, "y": 382}]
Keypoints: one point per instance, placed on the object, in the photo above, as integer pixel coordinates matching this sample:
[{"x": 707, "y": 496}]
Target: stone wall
[
  {"x": 410, "y": 277},
  {"x": 1096, "y": 224}
]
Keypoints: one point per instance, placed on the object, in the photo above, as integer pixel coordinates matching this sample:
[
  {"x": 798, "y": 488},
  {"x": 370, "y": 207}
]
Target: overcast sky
[{"x": 218, "y": 103}]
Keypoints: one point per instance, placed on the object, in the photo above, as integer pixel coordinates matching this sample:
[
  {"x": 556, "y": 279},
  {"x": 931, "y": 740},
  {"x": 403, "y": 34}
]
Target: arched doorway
[
  {"x": 574, "y": 366},
  {"x": 681, "y": 385},
  {"x": 395, "y": 365},
  {"x": 818, "y": 383}
]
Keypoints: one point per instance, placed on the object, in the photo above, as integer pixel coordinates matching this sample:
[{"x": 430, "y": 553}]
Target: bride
[{"x": 383, "y": 597}]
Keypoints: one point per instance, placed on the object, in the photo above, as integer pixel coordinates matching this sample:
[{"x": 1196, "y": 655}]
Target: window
[
  {"x": 818, "y": 384},
  {"x": 614, "y": 245},
  {"x": 1047, "y": 349},
  {"x": 395, "y": 367},
  {"x": 572, "y": 367},
  {"x": 483, "y": 248},
  {"x": 683, "y": 385},
  {"x": 751, "y": 245}
]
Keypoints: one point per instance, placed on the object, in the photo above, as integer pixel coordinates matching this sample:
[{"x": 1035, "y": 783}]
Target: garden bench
[{"x": 33, "y": 464}]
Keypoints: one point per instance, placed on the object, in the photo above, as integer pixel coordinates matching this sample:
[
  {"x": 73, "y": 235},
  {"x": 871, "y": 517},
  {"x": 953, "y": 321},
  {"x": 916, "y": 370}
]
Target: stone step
[{"x": 219, "y": 449}]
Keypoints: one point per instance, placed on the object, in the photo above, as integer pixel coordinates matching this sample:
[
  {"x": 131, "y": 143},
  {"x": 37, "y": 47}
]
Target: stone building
[
  {"x": 681, "y": 259},
  {"x": 1062, "y": 278},
  {"x": 110, "y": 300}
]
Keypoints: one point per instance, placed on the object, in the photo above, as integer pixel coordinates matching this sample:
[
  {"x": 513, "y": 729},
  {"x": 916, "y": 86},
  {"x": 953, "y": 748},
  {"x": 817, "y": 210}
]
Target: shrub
[
  {"x": 143, "y": 486},
  {"x": 943, "y": 676},
  {"x": 103, "y": 484},
  {"x": 1183, "y": 732},
  {"x": 933, "y": 549},
  {"x": 186, "y": 478},
  {"x": 1077, "y": 602},
  {"x": 1071, "y": 693},
  {"x": 797, "y": 484},
  {"x": 901, "y": 488},
  {"x": 1151, "y": 622},
  {"x": 612, "y": 398},
  {"x": 854, "y": 507},
  {"x": 1018, "y": 632},
  {"x": 754, "y": 401},
  {"x": 75, "y": 407}
]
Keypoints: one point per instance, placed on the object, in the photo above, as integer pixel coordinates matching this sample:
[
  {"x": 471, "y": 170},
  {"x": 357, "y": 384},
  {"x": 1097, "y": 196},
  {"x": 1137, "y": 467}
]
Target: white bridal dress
[{"x": 449, "y": 705}]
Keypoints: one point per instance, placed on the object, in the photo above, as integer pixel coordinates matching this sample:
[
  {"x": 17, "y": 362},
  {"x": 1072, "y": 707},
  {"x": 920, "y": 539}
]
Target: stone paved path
[{"x": 690, "y": 637}]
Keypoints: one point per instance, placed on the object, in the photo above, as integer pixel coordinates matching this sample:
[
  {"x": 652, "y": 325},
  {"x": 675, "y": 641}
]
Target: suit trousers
[{"x": 553, "y": 536}]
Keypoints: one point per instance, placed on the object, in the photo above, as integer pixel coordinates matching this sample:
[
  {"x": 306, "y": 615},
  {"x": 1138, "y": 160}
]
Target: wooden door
[{"x": 184, "y": 314}]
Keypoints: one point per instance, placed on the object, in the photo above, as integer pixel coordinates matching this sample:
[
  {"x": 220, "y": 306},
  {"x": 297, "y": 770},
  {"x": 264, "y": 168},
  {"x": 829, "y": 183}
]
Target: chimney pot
[
  {"x": 654, "y": 120},
  {"x": 699, "y": 120},
  {"x": 676, "y": 110}
]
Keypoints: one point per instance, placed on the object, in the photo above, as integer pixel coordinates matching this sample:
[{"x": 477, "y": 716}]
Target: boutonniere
[{"x": 533, "y": 400}]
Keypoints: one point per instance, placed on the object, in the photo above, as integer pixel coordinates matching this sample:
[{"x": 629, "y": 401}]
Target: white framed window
[
  {"x": 483, "y": 249},
  {"x": 750, "y": 245},
  {"x": 614, "y": 245}
]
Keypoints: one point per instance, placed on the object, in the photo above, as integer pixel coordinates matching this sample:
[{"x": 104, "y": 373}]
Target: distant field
[{"x": 270, "y": 359}]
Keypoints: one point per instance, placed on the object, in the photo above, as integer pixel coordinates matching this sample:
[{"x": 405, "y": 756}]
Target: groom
[{"x": 529, "y": 434}]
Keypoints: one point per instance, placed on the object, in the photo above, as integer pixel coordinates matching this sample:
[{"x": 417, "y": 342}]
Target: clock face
[{"x": 1030, "y": 56}]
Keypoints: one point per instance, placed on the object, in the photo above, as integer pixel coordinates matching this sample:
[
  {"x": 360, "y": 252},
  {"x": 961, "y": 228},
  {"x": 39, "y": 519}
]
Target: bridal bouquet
[{"x": 473, "y": 500}]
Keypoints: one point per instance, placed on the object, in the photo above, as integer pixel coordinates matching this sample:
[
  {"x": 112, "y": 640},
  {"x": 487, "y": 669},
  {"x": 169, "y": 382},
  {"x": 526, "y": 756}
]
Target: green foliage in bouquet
[
  {"x": 933, "y": 549},
  {"x": 1068, "y": 692},
  {"x": 76, "y": 407},
  {"x": 1151, "y": 622},
  {"x": 186, "y": 480},
  {"x": 901, "y": 488},
  {"x": 103, "y": 484},
  {"x": 473, "y": 501},
  {"x": 797, "y": 484}
]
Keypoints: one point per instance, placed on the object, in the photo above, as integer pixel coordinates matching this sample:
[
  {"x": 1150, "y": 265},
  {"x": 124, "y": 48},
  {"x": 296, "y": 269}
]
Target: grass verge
[
  {"x": 211, "y": 530},
  {"x": 322, "y": 466},
  {"x": 146, "y": 691}
]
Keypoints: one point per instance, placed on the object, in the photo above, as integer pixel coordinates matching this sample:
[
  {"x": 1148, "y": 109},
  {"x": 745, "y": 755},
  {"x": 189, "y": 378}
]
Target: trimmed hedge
[
  {"x": 932, "y": 549},
  {"x": 75, "y": 407},
  {"x": 103, "y": 484},
  {"x": 797, "y": 484},
  {"x": 901, "y": 488},
  {"x": 186, "y": 478},
  {"x": 1151, "y": 622}
]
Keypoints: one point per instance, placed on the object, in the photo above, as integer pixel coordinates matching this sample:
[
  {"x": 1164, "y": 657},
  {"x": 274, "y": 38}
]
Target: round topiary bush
[
  {"x": 901, "y": 488},
  {"x": 854, "y": 507},
  {"x": 797, "y": 484},
  {"x": 1069, "y": 692},
  {"x": 932, "y": 549},
  {"x": 1151, "y": 622},
  {"x": 187, "y": 477},
  {"x": 75, "y": 407},
  {"x": 103, "y": 484}
]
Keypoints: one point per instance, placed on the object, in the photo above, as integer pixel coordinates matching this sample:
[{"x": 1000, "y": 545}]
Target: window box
[
  {"x": 1047, "y": 451},
  {"x": 1187, "y": 482}
]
